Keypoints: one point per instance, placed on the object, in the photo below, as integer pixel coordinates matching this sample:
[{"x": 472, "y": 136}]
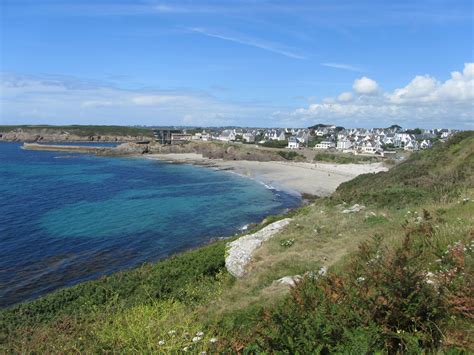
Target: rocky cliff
[{"x": 64, "y": 135}]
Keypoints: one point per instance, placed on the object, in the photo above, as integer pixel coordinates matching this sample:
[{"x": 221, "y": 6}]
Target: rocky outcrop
[
  {"x": 58, "y": 135},
  {"x": 239, "y": 252},
  {"x": 121, "y": 150},
  {"x": 219, "y": 151},
  {"x": 354, "y": 209}
]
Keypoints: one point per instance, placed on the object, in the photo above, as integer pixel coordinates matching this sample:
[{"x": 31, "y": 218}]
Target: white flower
[
  {"x": 213, "y": 340},
  {"x": 196, "y": 339},
  {"x": 172, "y": 332},
  {"x": 361, "y": 279},
  {"x": 199, "y": 334},
  {"x": 185, "y": 348},
  {"x": 161, "y": 342}
]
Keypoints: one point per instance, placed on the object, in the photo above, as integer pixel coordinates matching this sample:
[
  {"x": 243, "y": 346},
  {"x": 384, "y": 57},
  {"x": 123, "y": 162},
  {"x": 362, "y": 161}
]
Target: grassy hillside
[
  {"x": 400, "y": 279},
  {"x": 85, "y": 130},
  {"x": 442, "y": 171}
]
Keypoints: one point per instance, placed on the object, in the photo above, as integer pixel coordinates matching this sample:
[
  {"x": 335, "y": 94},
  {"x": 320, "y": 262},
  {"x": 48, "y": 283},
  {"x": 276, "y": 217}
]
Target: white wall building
[{"x": 325, "y": 145}]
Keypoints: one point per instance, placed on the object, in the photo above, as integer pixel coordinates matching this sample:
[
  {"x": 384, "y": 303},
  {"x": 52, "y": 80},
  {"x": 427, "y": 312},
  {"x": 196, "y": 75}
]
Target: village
[{"x": 359, "y": 141}]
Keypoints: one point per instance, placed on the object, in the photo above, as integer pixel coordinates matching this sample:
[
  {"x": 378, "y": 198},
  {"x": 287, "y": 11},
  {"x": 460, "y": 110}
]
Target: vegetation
[
  {"x": 339, "y": 158},
  {"x": 414, "y": 131},
  {"x": 86, "y": 130},
  {"x": 445, "y": 170},
  {"x": 275, "y": 144},
  {"x": 290, "y": 155},
  {"x": 397, "y": 278}
]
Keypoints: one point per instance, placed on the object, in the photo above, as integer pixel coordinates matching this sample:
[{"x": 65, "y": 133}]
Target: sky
[{"x": 259, "y": 63}]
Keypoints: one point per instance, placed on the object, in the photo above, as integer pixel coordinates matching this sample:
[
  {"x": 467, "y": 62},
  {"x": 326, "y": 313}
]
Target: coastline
[{"x": 319, "y": 179}]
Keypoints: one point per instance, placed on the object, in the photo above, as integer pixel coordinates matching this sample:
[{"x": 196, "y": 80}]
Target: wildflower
[
  {"x": 161, "y": 342},
  {"x": 203, "y": 353},
  {"x": 360, "y": 279},
  {"x": 199, "y": 334},
  {"x": 196, "y": 339},
  {"x": 213, "y": 340},
  {"x": 185, "y": 348},
  {"x": 323, "y": 271},
  {"x": 172, "y": 332}
]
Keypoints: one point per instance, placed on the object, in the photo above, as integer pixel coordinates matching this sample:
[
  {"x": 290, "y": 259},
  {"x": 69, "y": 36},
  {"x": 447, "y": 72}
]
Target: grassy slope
[
  {"x": 441, "y": 171},
  {"x": 174, "y": 299},
  {"x": 81, "y": 130}
]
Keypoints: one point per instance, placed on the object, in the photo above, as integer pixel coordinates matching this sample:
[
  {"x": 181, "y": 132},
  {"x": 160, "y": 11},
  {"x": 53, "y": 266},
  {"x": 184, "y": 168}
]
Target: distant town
[{"x": 374, "y": 141}]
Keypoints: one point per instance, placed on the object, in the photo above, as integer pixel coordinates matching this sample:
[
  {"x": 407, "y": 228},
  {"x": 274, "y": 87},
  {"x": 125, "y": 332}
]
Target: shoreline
[{"x": 318, "y": 179}]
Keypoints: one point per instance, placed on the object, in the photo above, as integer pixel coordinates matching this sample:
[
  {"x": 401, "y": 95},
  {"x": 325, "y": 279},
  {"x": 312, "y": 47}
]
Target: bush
[
  {"x": 290, "y": 155},
  {"x": 167, "y": 279},
  {"x": 343, "y": 158},
  {"x": 275, "y": 144},
  {"x": 384, "y": 299}
]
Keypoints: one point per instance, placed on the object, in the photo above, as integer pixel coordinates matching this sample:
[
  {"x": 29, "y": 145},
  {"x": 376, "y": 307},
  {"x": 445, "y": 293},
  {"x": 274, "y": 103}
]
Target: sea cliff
[{"x": 73, "y": 134}]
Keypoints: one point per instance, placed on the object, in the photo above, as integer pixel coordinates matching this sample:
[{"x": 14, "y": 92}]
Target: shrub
[
  {"x": 290, "y": 155},
  {"x": 275, "y": 144},
  {"x": 384, "y": 298}
]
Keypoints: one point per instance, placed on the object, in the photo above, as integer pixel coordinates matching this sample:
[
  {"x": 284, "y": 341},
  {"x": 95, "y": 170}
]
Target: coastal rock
[
  {"x": 288, "y": 280},
  {"x": 239, "y": 252},
  {"x": 354, "y": 209},
  {"x": 58, "y": 135}
]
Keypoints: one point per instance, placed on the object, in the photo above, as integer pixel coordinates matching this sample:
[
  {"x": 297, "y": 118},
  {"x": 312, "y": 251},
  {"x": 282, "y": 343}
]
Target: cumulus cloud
[
  {"x": 424, "y": 101},
  {"x": 345, "y": 97},
  {"x": 365, "y": 86}
]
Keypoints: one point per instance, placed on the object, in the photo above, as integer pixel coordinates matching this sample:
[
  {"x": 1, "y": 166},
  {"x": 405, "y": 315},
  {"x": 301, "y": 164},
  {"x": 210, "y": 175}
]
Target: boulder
[
  {"x": 239, "y": 252},
  {"x": 354, "y": 209}
]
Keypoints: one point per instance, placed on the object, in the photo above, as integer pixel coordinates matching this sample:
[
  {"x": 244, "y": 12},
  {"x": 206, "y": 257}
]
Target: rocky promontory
[{"x": 73, "y": 134}]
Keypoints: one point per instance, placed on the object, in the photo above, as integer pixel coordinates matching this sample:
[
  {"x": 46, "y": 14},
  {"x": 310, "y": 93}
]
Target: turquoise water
[{"x": 66, "y": 218}]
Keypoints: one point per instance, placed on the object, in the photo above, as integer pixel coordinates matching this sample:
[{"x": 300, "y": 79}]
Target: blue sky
[{"x": 247, "y": 62}]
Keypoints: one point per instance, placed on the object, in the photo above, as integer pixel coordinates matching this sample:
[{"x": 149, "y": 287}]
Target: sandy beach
[{"x": 319, "y": 179}]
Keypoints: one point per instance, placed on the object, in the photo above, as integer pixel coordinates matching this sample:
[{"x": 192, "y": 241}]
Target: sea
[{"x": 67, "y": 218}]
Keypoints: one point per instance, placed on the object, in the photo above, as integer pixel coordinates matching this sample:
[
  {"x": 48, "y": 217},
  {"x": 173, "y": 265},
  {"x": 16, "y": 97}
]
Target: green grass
[
  {"x": 441, "y": 172},
  {"x": 275, "y": 144},
  {"x": 341, "y": 158},
  {"x": 81, "y": 130},
  {"x": 374, "y": 299},
  {"x": 291, "y": 155}
]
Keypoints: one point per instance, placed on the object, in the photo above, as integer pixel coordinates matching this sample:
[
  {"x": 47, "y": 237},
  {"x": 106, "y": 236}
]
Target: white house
[
  {"x": 411, "y": 145},
  {"x": 293, "y": 143},
  {"x": 227, "y": 135},
  {"x": 425, "y": 144},
  {"x": 325, "y": 145},
  {"x": 344, "y": 143},
  {"x": 248, "y": 137}
]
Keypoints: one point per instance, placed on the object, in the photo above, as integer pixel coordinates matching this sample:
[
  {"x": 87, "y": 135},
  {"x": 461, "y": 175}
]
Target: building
[
  {"x": 325, "y": 145},
  {"x": 344, "y": 144},
  {"x": 178, "y": 138},
  {"x": 248, "y": 137},
  {"x": 293, "y": 143}
]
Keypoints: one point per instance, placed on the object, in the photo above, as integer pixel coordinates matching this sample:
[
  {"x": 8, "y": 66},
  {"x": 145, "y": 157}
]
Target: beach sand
[{"x": 318, "y": 179}]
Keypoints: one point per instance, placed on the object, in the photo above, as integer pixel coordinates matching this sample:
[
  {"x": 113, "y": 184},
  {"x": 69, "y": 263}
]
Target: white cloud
[
  {"x": 420, "y": 88},
  {"x": 345, "y": 97},
  {"x": 424, "y": 101},
  {"x": 252, "y": 42},
  {"x": 459, "y": 88},
  {"x": 365, "y": 86},
  {"x": 29, "y": 99},
  {"x": 341, "y": 66}
]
